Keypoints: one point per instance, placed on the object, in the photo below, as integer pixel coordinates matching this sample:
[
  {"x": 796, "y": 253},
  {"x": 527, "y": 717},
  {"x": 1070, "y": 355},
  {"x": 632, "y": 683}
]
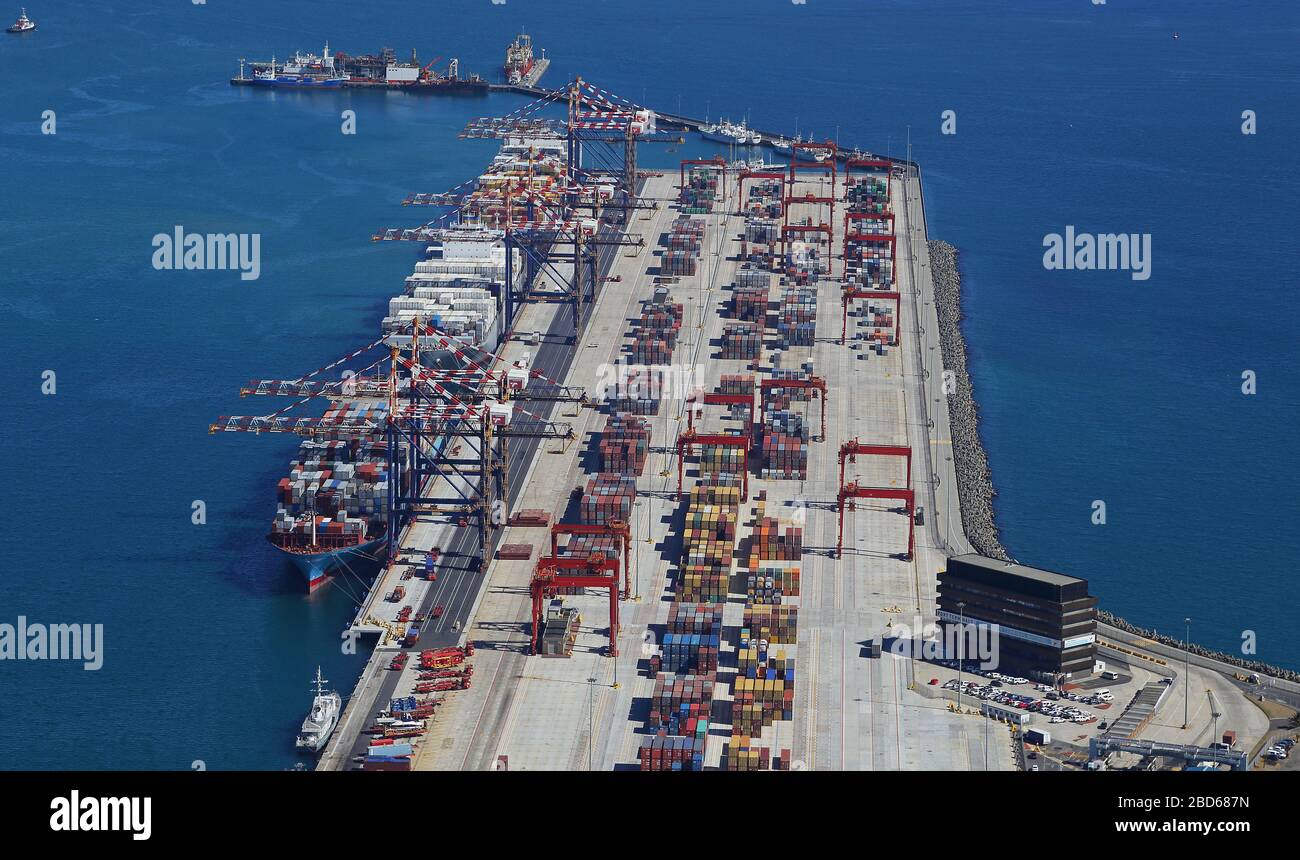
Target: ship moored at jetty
[
  {"x": 326, "y": 706},
  {"x": 738, "y": 134},
  {"x": 303, "y": 71},
  {"x": 521, "y": 67},
  {"x": 365, "y": 71}
]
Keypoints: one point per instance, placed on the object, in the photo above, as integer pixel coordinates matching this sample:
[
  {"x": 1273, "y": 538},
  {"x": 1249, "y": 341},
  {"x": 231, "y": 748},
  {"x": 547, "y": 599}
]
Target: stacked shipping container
[
  {"x": 676, "y": 753},
  {"x": 796, "y": 323},
  {"x": 869, "y": 264},
  {"x": 677, "y": 698},
  {"x": 737, "y": 383},
  {"x": 752, "y": 295},
  {"x": 742, "y": 341},
  {"x": 638, "y": 391},
  {"x": 654, "y": 335},
  {"x": 744, "y": 756},
  {"x": 682, "y": 247},
  {"x": 608, "y": 497},
  {"x": 624, "y": 444},
  {"x": 777, "y": 624},
  {"x": 707, "y": 557},
  {"x": 771, "y": 542},
  {"x": 700, "y": 191},
  {"x": 784, "y": 446}
]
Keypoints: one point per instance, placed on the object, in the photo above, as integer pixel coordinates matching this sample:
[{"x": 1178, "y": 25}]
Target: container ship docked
[
  {"x": 377, "y": 71},
  {"x": 332, "y": 508}
]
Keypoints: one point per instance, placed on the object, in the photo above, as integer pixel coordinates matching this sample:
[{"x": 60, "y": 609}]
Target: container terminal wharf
[
  {"x": 459, "y": 586},
  {"x": 699, "y": 574},
  {"x": 849, "y": 712}
]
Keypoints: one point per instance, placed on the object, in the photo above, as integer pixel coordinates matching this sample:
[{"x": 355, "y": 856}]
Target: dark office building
[{"x": 1047, "y": 621}]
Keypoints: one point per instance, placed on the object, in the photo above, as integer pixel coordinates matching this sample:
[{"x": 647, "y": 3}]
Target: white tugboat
[
  {"x": 23, "y": 24},
  {"x": 324, "y": 716}
]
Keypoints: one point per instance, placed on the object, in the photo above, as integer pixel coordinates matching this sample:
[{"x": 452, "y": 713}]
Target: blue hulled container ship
[{"x": 332, "y": 511}]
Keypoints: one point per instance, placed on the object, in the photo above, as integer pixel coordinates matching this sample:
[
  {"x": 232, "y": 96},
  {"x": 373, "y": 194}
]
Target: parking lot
[
  {"x": 1278, "y": 754},
  {"x": 1057, "y": 706},
  {"x": 1072, "y": 714}
]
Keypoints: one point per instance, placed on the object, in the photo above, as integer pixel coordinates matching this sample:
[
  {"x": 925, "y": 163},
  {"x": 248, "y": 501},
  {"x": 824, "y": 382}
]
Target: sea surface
[{"x": 1093, "y": 386}]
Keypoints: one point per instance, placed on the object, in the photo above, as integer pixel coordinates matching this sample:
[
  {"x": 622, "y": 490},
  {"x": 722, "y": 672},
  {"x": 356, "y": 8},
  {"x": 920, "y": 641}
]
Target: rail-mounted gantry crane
[
  {"x": 851, "y": 491},
  {"x": 552, "y": 574}
]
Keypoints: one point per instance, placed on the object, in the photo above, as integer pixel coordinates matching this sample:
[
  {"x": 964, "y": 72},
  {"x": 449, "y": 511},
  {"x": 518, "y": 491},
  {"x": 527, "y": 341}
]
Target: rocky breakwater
[{"x": 974, "y": 485}]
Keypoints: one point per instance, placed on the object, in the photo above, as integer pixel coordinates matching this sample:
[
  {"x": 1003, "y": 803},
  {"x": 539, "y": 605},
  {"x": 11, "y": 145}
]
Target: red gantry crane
[
  {"x": 853, "y": 490},
  {"x": 687, "y": 441},
  {"x": 851, "y": 293},
  {"x": 715, "y": 399},
  {"x": 774, "y": 175},
  {"x": 873, "y": 165},
  {"x": 815, "y": 384},
  {"x": 613, "y": 528},
  {"x": 591, "y": 572},
  {"x": 820, "y": 158},
  {"x": 719, "y": 164}
]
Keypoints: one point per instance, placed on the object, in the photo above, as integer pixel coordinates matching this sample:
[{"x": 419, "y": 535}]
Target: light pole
[
  {"x": 649, "y": 538},
  {"x": 1214, "y": 715},
  {"x": 961, "y": 628},
  {"x": 1187, "y": 668},
  {"x": 591, "y": 717},
  {"x": 636, "y": 554},
  {"x": 947, "y": 503}
]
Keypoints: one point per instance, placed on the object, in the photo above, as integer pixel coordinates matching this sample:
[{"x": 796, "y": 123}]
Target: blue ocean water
[{"x": 1092, "y": 386}]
